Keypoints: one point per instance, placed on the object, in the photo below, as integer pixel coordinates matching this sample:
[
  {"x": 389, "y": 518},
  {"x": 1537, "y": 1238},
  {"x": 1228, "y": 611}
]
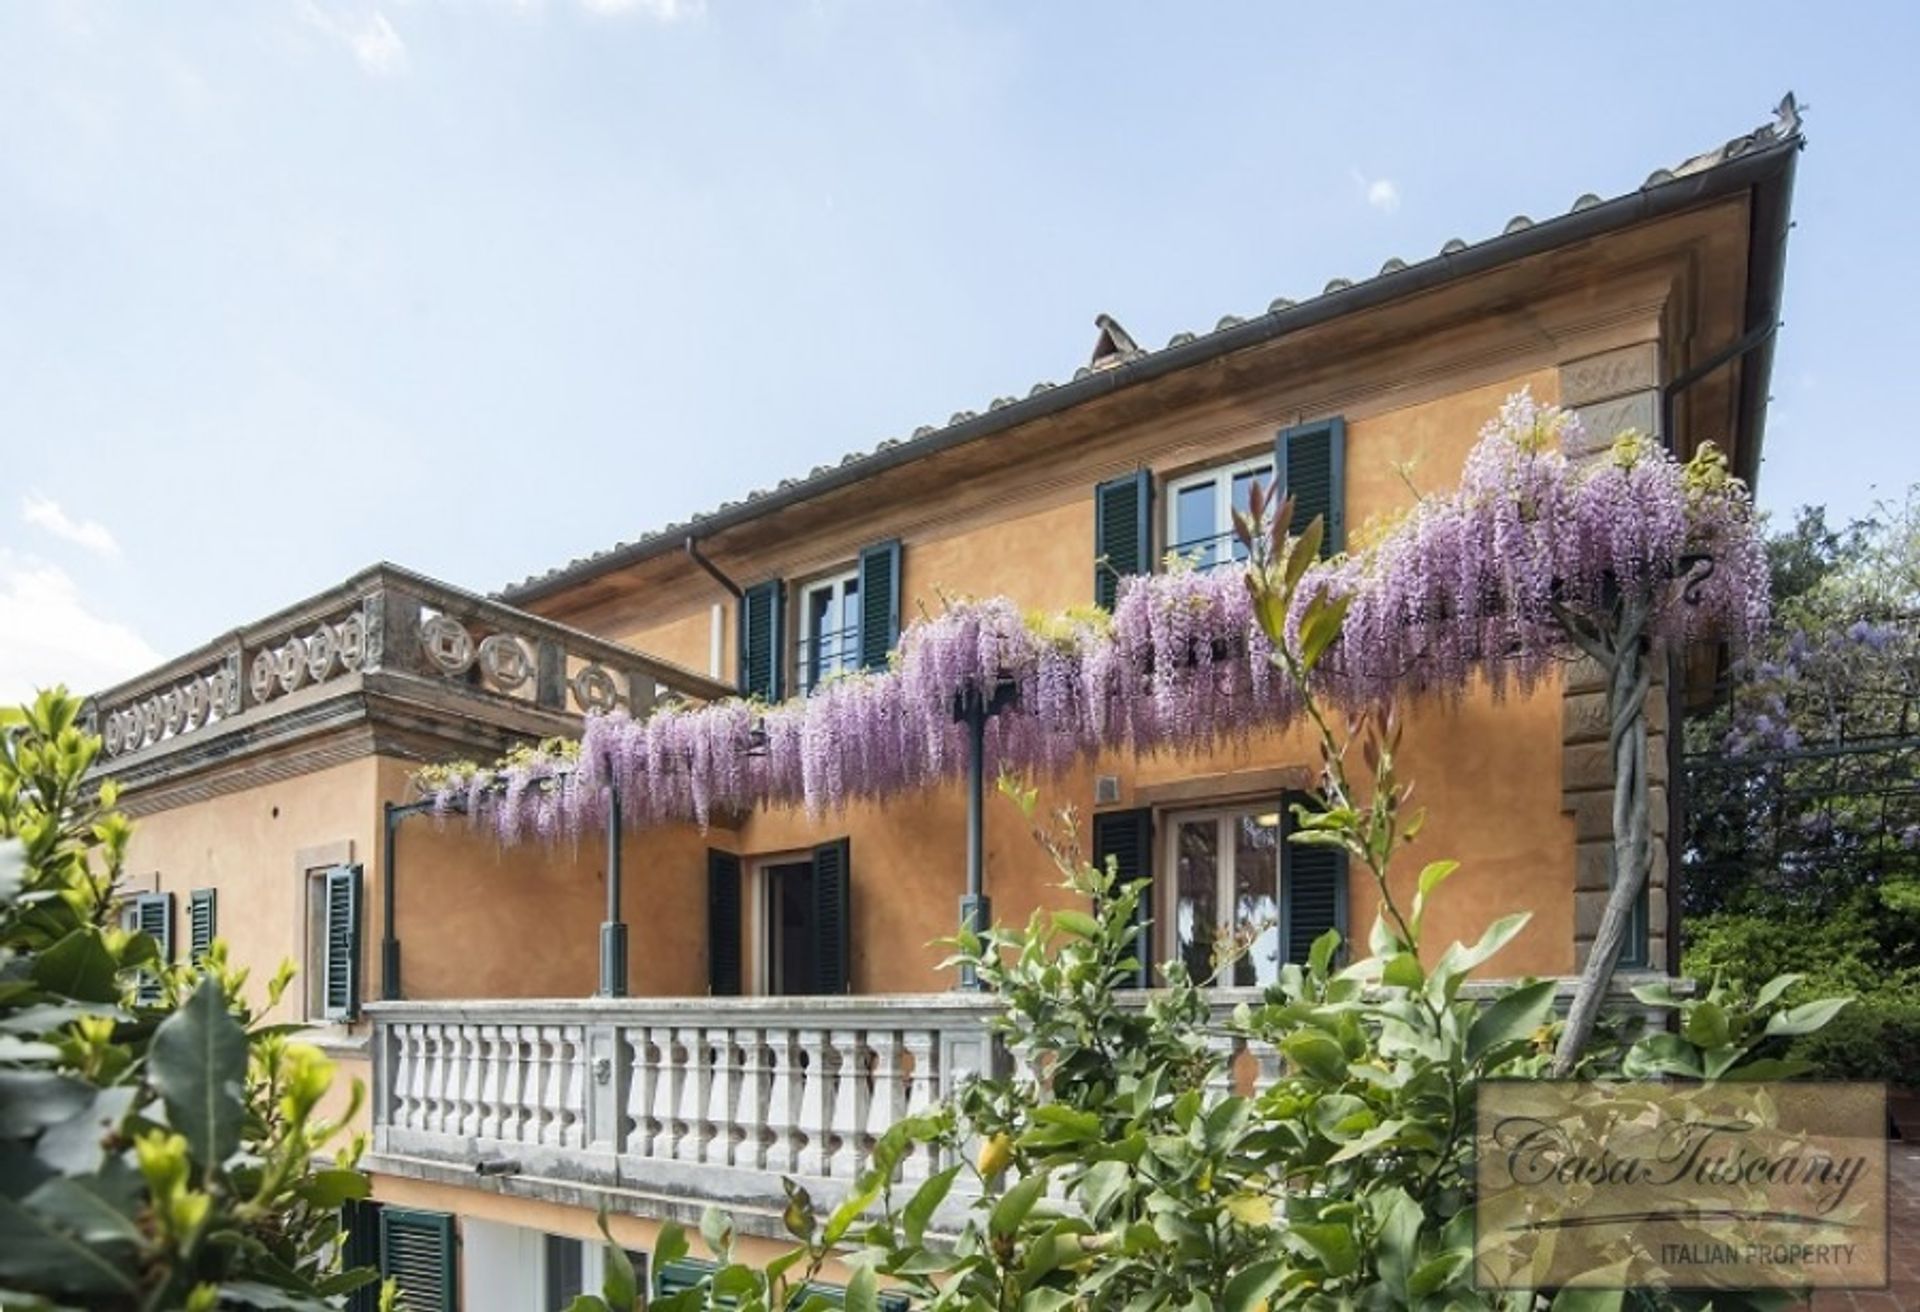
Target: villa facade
[{"x": 780, "y": 998}]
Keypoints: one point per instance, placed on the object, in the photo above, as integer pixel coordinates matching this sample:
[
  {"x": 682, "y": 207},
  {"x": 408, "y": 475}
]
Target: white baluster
[
  {"x": 851, "y": 1099},
  {"x": 689, "y": 1113},
  {"x": 513, "y": 1084},
  {"x": 889, "y": 1090},
  {"x": 816, "y": 1102},
  {"x": 722, "y": 1092},
  {"x": 784, "y": 1077},
  {"x": 436, "y": 1078},
  {"x": 470, "y": 1080},
  {"x": 755, "y": 1081},
  {"x": 406, "y": 1097},
  {"x": 573, "y": 1107},
  {"x": 489, "y": 1127},
  {"x": 644, "y": 1070},
  {"x": 545, "y": 1090},
  {"x": 666, "y": 1092},
  {"x": 922, "y": 1090}
]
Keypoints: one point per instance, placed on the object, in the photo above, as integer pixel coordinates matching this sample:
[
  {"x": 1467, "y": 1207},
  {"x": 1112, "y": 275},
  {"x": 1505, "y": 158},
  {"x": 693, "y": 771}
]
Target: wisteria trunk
[{"x": 1622, "y": 655}]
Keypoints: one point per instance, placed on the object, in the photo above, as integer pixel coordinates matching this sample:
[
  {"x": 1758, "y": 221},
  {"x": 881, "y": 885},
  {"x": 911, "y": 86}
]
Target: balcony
[
  {"x": 438, "y": 670},
  {"x": 666, "y": 1105},
  {"x": 662, "y": 1106}
]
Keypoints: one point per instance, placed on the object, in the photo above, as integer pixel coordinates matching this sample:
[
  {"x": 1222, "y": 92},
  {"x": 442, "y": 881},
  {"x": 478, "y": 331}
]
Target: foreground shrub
[{"x": 157, "y": 1144}]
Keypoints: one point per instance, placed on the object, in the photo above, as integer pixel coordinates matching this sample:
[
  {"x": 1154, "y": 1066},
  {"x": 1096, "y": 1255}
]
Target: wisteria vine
[{"x": 1479, "y": 583}]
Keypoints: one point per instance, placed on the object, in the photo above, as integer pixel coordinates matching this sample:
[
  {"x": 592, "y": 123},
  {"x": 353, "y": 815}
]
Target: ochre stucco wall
[
  {"x": 246, "y": 844},
  {"x": 1487, "y": 771}
]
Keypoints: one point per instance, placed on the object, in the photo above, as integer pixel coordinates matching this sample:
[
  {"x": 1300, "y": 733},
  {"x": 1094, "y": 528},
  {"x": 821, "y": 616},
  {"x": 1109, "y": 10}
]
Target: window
[
  {"x": 1200, "y": 510},
  {"x": 331, "y": 934},
  {"x": 566, "y": 1271},
  {"x": 1225, "y": 881},
  {"x": 829, "y": 628}
]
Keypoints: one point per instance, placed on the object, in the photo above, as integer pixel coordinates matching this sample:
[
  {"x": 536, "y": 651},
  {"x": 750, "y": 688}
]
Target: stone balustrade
[
  {"x": 386, "y": 620},
  {"x": 713, "y": 1100}
]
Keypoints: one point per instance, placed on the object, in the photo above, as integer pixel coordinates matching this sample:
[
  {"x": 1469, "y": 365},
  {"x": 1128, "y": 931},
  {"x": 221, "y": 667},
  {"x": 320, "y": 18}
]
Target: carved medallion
[
  {"x": 505, "y": 662},
  {"x": 321, "y": 650},
  {"x": 594, "y": 689},
  {"x": 447, "y": 643},
  {"x": 350, "y": 640}
]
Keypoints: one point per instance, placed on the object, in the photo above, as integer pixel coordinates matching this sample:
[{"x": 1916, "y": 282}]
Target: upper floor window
[
  {"x": 1200, "y": 510},
  {"x": 829, "y": 628}
]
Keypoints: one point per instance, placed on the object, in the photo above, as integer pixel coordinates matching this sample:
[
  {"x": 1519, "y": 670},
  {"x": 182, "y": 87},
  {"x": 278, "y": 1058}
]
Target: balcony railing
[
  {"x": 708, "y": 1100},
  {"x": 386, "y": 619},
  {"x": 687, "y": 1102}
]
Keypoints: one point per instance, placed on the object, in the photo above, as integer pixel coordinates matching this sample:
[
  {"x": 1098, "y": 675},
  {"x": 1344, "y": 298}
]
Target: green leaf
[
  {"x": 1317, "y": 1054},
  {"x": 1437, "y": 1273},
  {"x": 717, "y": 1230},
  {"x": 1515, "y": 1016},
  {"x": 1500, "y": 933},
  {"x": 863, "y": 1293},
  {"x": 1103, "y": 1183},
  {"x": 1253, "y": 1284},
  {"x": 669, "y": 1246},
  {"x": 78, "y": 965},
  {"x": 1403, "y": 971},
  {"x": 1331, "y": 1242},
  {"x": 329, "y": 1187},
  {"x": 1806, "y": 1018},
  {"x": 1434, "y": 874},
  {"x": 926, "y": 1200},
  {"x": 848, "y": 1212},
  {"x": 1771, "y": 991},
  {"x": 1014, "y": 1205},
  {"x": 40, "y": 1255},
  {"x": 1589, "y": 1300},
  {"x": 199, "y": 1064},
  {"x": 33, "y": 1100},
  {"x": 1706, "y": 1026},
  {"x": 1077, "y": 923}
]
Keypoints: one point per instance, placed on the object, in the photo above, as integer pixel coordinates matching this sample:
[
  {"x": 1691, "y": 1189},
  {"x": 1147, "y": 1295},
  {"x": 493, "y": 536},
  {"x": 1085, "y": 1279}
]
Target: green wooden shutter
[
  {"x": 1122, "y": 533},
  {"x": 723, "y": 924},
  {"x": 832, "y": 916},
  {"x": 1313, "y": 888},
  {"x": 1312, "y": 464},
  {"x": 879, "y": 603},
  {"x": 341, "y": 980},
  {"x": 202, "y": 922},
  {"x": 682, "y": 1274},
  {"x": 153, "y": 916},
  {"x": 1634, "y": 949},
  {"x": 360, "y": 1247},
  {"x": 416, "y": 1252},
  {"x": 1127, "y": 838},
  {"x": 763, "y": 611}
]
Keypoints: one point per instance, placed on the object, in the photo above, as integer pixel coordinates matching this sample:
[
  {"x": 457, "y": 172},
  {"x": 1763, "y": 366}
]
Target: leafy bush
[{"x": 152, "y": 1154}]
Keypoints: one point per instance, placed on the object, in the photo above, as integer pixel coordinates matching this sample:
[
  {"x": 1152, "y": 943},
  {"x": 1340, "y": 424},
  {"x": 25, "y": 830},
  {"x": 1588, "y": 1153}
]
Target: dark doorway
[{"x": 792, "y": 936}]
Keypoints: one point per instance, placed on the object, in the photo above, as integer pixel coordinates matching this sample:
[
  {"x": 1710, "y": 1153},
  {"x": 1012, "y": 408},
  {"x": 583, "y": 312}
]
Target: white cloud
[
  {"x": 664, "y": 11},
  {"x": 54, "y": 637},
  {"x": 46, "y": 513},
  {"x": 375, "y": 45},
  {"x": 1381, "y": 193}
]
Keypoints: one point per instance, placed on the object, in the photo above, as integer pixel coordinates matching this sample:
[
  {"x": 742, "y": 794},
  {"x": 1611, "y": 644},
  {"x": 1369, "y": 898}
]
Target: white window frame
[
  {"x": 1226, "y": 855},
  {"x": 837, "y": 584},
  {"x": 756, "y": 890},
  {"x": 1220, "y": 477}
]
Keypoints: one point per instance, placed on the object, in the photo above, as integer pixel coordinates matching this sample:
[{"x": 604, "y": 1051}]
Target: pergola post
[
  {"x": 974, "y": 708},
  {"x": 613, "y": 932}
]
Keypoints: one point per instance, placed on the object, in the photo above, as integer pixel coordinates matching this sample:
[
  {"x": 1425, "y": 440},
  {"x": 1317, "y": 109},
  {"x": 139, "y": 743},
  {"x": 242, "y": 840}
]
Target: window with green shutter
[
  {"x": 723, "y": 924},
  {"x": 1313, "y": 888},
  {"x": 417, "y": 1254},
  {"x": 762, "y": 644},
  {"x": 360, "y": 1247},
  {"x": 152, "y": 915},
  {"x": 202, "y": 922},
  {"x": 340, "y": 969},
  {"x": 1312, "y": 459},
  {"x": 1126, "y": 839},
  {"x": 1122, "y": 533},
  {"x": 879, "y": 603},
  {"x": 832, "y": 916}
]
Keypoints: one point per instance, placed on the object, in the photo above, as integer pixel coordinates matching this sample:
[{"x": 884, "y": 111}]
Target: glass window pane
[
  {"x": 1196, "y": 912},
  {"x": 820, "y": 607},
  {"x": 850, "y": 624},
  {"x": 1256, "y": 901},
  {"x": 1196, "y": 520}
]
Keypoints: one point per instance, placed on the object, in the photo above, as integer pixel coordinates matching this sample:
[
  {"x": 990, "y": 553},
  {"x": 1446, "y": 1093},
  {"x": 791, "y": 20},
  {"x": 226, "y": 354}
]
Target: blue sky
[{"x": 289, "y": 287}]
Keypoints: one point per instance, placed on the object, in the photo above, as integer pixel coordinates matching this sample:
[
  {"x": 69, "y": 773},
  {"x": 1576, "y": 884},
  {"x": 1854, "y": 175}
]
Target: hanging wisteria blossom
[{"x": 1481, "y": 583}]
